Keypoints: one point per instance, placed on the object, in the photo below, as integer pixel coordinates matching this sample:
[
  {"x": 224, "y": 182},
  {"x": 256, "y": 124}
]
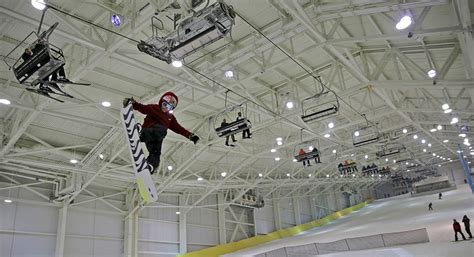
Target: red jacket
[
  {"x": 154, "y": 115},
  {"x": 456, "y": 226},
  {"x": 301, "y": 152}
]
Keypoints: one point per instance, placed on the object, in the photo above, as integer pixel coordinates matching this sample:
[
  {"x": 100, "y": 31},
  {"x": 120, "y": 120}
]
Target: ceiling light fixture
[
  {"x": 106, "y": 104},
  {"x": 404, "y": 131},
  {"x": 415, "y": 137},
  {"x": 448, "y": 111},
  {"x": 73, "y": 161},
  {"x": 178, "y": 213},
  {"x": 423, "y": 141},
  {"x": 39, "y": 4},
  {"x": 295, "y": 160},
  {"x": 273, "y": 150},
  {"x": 404, "y": 22},
  {"x": 260, "y": 174},
  {"x": 429, "y": 145},
  {"x": 454, "y": 120},
  {"x": 101, "y": 156},
  {"x": 445, "y": 141},
  {"x": 327, "y": 135},
  {"x": 334, "y": 151},
  {"x": 170, "y": 168},
  {"x": 279, "y": 139},
  {"x": 287, "y": 174},
  {"x": 431, "y": 73},
  {"x": 311, "y": 148},
  {"x": 290, "y": 105},
  {"x": 439, "y": 127},
  {"x": 177, "y": 63},
  {"x": 200, "y": 179},
  {"x": 277, "y": 158},
  {"x": 5, "y": 101},
  {"x": 223, "y": 174},
  {"x": 8, "y": 201},
  {"x": 462, "y": 135},
  {"x": 331, "y": 125},
  {"x": 445, "y": 106},
  {"x": 366, "y": 157},
  {"x": 424, "y": 150},
  {"x": 433, "y": 130},
  {"x": 229, "y": 74},
  {"x": 279, "y": 142},
  {"x": 356, "y": 133}
]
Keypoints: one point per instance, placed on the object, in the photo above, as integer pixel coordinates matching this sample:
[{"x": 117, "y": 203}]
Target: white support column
[
  {"x": 312, "y": 205},
  {"x": 296, "y": 210},
  {"x": 254, "y": 215},
  {"x": 276, "y": 212},
  {"x": 183, "y": 243},
  {"x": 130, "y": 240},
  {"x": 221, "y": 216},
  {"x": 61, "y": 232}
]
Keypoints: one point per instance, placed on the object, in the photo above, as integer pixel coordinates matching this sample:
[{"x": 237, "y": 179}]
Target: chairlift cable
[
  {"x": 297, "y": 63},
  {"x": 90, "y": 23},
  {"x": 256, "y": 103},
  {"x": 213, "y": 80}
]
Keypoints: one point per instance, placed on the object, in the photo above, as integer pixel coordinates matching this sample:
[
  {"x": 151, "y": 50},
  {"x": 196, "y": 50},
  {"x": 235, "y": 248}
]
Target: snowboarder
[
  {"x": 158, "y": 119},
  {"x": 457, "y": 229},
  {"x": 467, "y": 225},
  {"x": 440, "y": 195},
  {"x": 430, "y": 207}
]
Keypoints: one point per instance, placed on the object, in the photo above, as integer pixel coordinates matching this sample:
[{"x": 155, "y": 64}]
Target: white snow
[{"x": 391, "y": 215}]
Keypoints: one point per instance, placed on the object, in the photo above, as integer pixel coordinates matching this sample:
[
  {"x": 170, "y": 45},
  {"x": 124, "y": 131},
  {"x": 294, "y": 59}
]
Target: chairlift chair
[
  {"x": 390, "y": 150},
  {"x": 46, "y": 59},
  {"x": 325, "y": 105},
  {"x": 310, "y": 155},
  {"x": 193, "y": 33},
  {"x": 234, "y": 127},
  {"x": 366, "y": 135}
]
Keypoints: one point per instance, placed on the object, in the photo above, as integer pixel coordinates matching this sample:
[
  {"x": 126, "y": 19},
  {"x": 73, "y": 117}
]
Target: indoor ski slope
[{"x": 391, "y": 215}]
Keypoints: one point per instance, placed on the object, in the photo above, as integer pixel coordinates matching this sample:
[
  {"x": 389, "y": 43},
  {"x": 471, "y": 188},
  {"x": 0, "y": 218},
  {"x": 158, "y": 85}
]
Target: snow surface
[{"x": 395, "y": 214}]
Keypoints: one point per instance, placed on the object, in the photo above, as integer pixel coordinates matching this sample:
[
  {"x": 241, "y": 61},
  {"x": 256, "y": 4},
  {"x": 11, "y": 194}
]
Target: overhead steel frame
[{"x": 14, "y": 137}]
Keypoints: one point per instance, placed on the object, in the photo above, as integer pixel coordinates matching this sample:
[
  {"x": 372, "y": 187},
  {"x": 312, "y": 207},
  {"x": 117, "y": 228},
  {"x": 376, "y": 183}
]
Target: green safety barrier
[{"x": 219, "y": 250}]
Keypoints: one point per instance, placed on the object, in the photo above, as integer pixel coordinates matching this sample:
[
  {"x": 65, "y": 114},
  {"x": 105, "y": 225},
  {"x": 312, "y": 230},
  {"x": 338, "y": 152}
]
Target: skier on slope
[{"x": 158, "y": 119}]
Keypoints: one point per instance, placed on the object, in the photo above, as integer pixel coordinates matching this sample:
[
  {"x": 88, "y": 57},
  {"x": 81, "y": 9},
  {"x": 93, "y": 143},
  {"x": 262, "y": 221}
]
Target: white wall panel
[
  {"x": 157, "y": 230},
  {"x": 198, "y": 235},
  {"x": 264, "y": 218},
  {"x": 29, "y": 245}
]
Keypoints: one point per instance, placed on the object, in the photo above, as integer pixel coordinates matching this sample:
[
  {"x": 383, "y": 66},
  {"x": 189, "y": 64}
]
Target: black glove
[
  {"x": 127, "y": 101},
  {"x": 194, "y": 138}
]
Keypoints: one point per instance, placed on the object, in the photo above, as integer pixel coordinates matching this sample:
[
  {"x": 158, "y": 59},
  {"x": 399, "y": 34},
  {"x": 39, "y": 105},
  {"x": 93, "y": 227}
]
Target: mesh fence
[
  {"x": 408, "y": 237},
  {"x": 352, "y": 244}
]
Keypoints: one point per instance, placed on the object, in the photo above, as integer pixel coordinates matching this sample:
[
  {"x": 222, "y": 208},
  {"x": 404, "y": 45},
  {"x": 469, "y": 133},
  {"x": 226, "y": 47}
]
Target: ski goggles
[
  {"x": 169, "y": 102},
  {"x": 167, "y": 106}
]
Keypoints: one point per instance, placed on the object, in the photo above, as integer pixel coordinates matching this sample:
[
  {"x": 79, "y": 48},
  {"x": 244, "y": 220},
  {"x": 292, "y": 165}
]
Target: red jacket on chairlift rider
[{"x": 158, "y": 119}]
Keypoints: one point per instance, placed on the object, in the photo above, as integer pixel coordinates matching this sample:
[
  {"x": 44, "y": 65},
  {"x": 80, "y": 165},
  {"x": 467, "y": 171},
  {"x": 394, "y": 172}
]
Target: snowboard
[{"x": 146, "y": 186}]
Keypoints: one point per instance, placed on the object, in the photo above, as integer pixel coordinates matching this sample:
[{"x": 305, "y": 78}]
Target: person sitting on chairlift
[
  {"x": 29, "y": 51},
  {"x": 245, "y": 133},
  {"x": 301, "y": 152},
  {"x": 316, "y": 157},
  {"x": 223, "y": 124}
]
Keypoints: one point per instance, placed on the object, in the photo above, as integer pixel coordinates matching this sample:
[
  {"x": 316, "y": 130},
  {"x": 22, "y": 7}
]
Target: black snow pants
[{"x": 153, "y": 139}]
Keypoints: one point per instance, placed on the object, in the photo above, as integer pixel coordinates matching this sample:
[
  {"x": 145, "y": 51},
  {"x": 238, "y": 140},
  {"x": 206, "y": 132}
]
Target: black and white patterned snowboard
[{"x": 145, "y": 183}]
